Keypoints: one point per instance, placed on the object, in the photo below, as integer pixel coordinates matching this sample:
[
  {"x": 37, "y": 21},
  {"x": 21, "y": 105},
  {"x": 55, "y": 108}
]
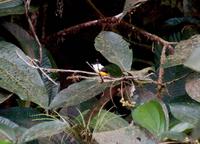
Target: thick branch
[{"x": 108, "y": 24}]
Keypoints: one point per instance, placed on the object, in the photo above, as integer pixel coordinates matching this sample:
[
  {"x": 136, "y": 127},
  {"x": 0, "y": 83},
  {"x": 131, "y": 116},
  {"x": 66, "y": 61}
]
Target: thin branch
[
  {"x": 55, "y": 70},
  {"x": 27, "y": 7},
  {"x": 161, "y": 72}
]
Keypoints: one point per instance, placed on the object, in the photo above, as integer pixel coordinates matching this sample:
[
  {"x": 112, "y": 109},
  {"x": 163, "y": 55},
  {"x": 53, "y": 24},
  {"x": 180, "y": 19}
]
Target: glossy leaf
[
  {"x": 186, "y": 112},
  {"x": 17, "y": 77},
  {"x": 127, "y": 135},
  {"x": 10, "y": 3},
  {"x": 43, "y": 129},
  {"x": 115, "y": 49},
  {"x": 78, "y": 93},
  {"x": 193, "y": 60},
  {"x": 151, "y": 116}
]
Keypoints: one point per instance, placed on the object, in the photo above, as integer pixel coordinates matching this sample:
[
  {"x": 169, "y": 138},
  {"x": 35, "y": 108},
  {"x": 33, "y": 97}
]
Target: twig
[
  {"x": 35, "y": 66},
  {"x": 55, "y": 70},
  {"x": 161, "y": 72},
  {"x": 27, "y": 6}
]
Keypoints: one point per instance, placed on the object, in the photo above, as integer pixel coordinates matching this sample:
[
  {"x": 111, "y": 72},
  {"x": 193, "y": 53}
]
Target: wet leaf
[{"x": 115, "y": 49}]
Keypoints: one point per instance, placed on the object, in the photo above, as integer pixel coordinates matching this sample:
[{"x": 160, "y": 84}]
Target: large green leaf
[
  {"x": 151, "y": 116},
  {"x": 78, "y": 93},
  {"x": 31, "y": 48},
  {"x": 10, "y": 129},
  {"x": 10, "y": 3},
  {"x": 16, "y": 76},
  {"x": 186, "y": 112},
  {"x": 193, "y": 61},
  {"x": 127, "y": 135},
  {"x": 43, "y": 129},
  {"x": 115, "y": 49}
]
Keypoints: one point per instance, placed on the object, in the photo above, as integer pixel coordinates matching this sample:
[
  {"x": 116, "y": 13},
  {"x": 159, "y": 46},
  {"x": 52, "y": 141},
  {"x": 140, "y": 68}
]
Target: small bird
[{"x": 99, "y": 68}]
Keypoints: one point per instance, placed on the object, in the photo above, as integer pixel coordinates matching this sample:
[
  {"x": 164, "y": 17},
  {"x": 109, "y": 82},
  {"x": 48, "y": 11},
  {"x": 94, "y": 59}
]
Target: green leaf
[
  {"x": 186, "y": 112},
  {"x": 17, "y": 77},
  {"x": 10, "y": 129},
  {"x": 151, "y": 116},
  {"x": 127, "y": 135},
  {"x": 10, "y": 3},
  {"x": 78, "y": 93},
  {"x": 115, "y": 49},
  {"x": 5, "y": 142},
  {"x": 31, "y": 48},
  {"x": 193, "y": 61},
  {"x": 43, "y": 129},
  {"x": 114, "y": 70}
]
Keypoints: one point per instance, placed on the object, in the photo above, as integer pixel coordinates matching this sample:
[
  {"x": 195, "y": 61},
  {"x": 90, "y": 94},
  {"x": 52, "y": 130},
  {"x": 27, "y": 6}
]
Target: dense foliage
[{"x": 146, "y": 89}]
